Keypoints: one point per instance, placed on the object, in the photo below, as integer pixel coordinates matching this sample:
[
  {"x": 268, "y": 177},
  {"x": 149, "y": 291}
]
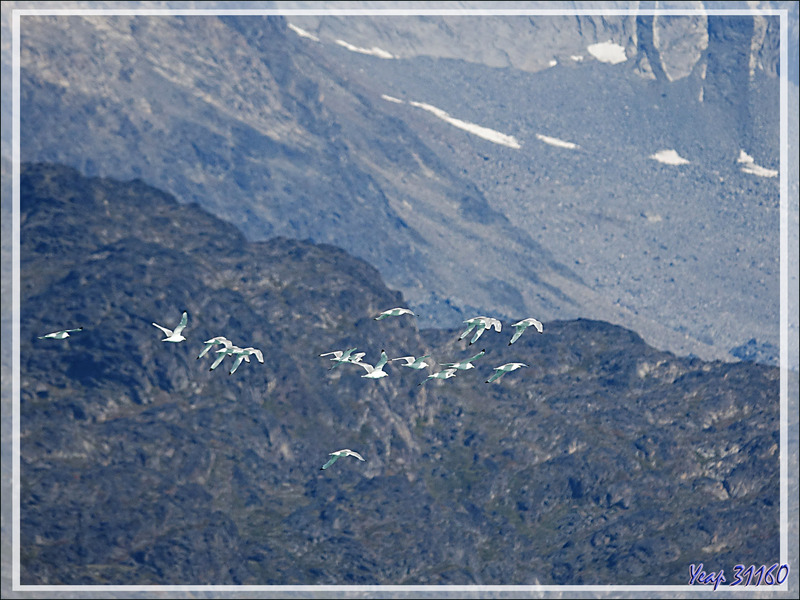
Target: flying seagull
[
  {"x": 447, "y": 373},
  {"x": 464, "y": 364},
  {"x": 344, "y": 356},
  {"x": 377, "y": 371},
  {"x": 174, "y": 336},
  {"x": 244, "y": 354},
  {"x": 334, "y": 456},
  {"x": 223, "y": 352},
  {"x": 213, "y": 342},
  {"x": 523, "y": 325},
  {"x": 503, "y": 369},
  {"x": 59, "y": 335},
  {"x": 414, "y": 363},
  {"x": 394, "y": 312},
  {"x": 481, "y": 323}
]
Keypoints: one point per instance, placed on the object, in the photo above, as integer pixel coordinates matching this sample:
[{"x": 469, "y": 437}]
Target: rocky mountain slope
[
  {"x": 283, "y": 135},
  {"x": 139, "y": 465}
]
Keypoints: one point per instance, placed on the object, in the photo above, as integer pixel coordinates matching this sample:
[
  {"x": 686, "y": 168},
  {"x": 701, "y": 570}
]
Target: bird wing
[
  {"x": 520, "y": 327},
  {"x": 167, "y": 332},
  {"x": 470, "y": 328},
  {"x": 333, "y": 459},
  {"x": 259, "y": 355},
  {"x": 221, "y": 354},
  {"x": 499, "y": 372},
  {"x": 409, "y": 359},
  {"x": 382, "y": 361},
  {"x": 336, "y": 354},
  {"x": 478, "y": 355},
  {"x": 356, "y": 454},
  {"x": 182, "y": 324},
  {"x": 209, "y": 344},
  {"x": 236, "y": 364},
  {"x": 369, "y": 368},
  {"x": 481, "y": 326}
]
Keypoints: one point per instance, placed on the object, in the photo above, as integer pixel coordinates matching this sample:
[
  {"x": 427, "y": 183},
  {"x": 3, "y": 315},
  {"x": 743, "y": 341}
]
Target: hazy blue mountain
[
  {"x": 283, "y": 135},
  {"x": 140, "y": 466}
]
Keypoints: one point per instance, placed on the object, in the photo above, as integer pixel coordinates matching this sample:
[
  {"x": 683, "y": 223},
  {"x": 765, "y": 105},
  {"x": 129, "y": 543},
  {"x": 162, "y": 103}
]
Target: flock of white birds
[{"x": 350, "y": 356}]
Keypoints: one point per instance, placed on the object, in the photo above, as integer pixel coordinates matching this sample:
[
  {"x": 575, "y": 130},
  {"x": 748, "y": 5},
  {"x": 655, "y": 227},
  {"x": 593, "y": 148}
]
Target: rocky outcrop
[{"x": 139, "y": 466}]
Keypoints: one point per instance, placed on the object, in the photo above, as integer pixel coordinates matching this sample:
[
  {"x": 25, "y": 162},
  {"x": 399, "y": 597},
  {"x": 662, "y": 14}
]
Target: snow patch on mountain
[
  {"x": 303, "y": 33},
  {"x": 750, "y": 166},
  {"x": 374, "y": 51},
  {"x": 608, "y": 52},
  {"x": 483, "y": 132},
  {"x": 556, "y": 142},
  {"x": 669, "y": 157}
]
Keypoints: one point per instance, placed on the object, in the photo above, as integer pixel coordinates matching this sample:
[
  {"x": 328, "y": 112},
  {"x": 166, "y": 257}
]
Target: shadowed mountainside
[{"x": 599, "y": 460}]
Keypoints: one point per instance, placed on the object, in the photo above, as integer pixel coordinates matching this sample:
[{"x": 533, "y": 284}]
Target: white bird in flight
[
  {"x": 339, "y": 454},
  {"x": 174, "y": 336},
  {"x": 377, "y": 371},
  {"x": 245, "y": 354},
  {"x": 464, "y": 364},
  {"x": 503, "y": 369},
  {"x": 59, "y": 335},
  {"x": 522, "y": 326},
  {"x": 344, "y": 356},
  {"x": 446, "y": 374},
  {"x": 414, "y": 363},
  {"x": 213, "y": 342},
  {"x": 482, "y": 323},
  {"x": 223, "y": 352},
  {"x": 394, "y": 312}
]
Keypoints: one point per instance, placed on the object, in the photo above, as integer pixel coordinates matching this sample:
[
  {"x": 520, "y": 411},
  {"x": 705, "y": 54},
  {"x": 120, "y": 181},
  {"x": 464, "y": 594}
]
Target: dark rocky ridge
[{"x": 601, "y": 459}]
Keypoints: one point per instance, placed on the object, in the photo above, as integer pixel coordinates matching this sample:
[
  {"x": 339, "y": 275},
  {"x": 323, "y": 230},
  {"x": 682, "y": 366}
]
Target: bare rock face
[
  {"x": 676, "y": 42},
  {"x": 481, "y": 165},
  {"x": 141, "y": 466}
]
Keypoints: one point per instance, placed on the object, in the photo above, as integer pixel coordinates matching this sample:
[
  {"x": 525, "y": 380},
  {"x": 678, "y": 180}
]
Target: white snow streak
[
  {"x": 374, "y": 51},
  {"x": 391, "y": 99},
  {"x": 608, "y": 52},
  {"x": 303, "y": 32},
  {"x": 556, "y": 142},
  {"x": 483, "y": 132},
  {"x": 669, "y": 157},
  {"x": 752, "y": 168}
]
